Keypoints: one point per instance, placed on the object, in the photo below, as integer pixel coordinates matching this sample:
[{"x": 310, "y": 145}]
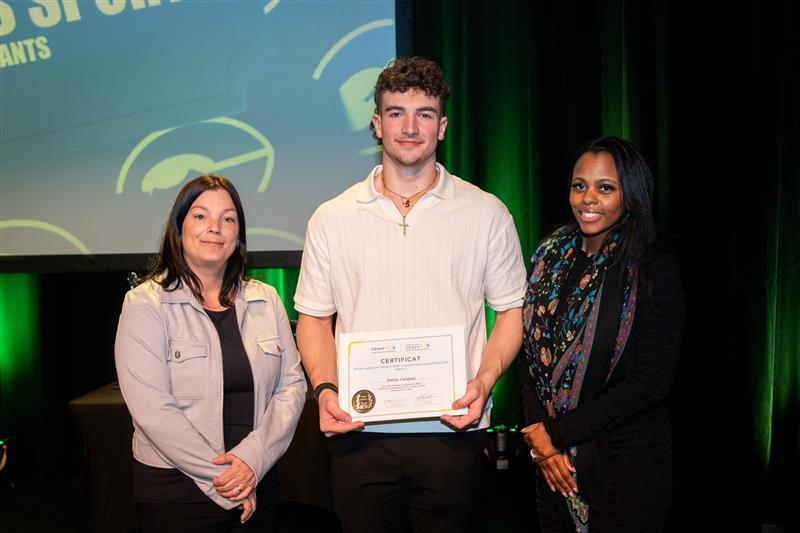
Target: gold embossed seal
[{"x": 363, "y": 401}]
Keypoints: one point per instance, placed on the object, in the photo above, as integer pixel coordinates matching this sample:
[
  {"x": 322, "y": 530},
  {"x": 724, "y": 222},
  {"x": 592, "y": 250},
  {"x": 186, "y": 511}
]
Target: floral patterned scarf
[{"x": 558, "y": 347}]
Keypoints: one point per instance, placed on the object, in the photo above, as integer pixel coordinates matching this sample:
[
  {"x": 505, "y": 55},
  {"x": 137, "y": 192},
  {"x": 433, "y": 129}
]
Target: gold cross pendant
[{"x": 403, "y": 225}]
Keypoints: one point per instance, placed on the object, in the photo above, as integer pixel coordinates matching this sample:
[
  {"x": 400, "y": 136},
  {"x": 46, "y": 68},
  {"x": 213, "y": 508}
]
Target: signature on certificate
[{"x": 426, "y": 399}]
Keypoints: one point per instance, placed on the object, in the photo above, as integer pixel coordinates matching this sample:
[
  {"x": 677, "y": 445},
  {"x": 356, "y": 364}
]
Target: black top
[
  {"x": 237, "y": 405},
  {"x": 644, "y": 372},
  {"x": 623, "y": 421},
  {"x": 163, "y": 485}
]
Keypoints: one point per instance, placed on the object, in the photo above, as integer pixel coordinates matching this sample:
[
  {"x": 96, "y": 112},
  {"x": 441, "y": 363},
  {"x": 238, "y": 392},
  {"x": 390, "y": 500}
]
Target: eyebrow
[
  {"x": 608, "y": 179},
  {"x": 417, "y": 110},
  {"x": 204, "y": 208}
]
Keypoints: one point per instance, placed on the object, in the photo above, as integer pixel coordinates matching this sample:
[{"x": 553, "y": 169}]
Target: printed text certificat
[{"x": 402, "y": 374}]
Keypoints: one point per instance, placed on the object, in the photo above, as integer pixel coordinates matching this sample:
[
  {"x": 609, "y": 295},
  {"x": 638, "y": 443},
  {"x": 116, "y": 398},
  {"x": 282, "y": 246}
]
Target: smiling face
[
  {"x": 595, "y": 197},
  {"x": 210, "y": 232},
  {"x": 409, "y": 125}
]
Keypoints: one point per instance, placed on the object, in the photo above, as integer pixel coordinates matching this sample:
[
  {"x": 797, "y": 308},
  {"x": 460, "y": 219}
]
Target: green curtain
[
  {"x": 778, "y": 374},
  {"x": 489, "y": 142},
  {"x": 711, "y": 97}
]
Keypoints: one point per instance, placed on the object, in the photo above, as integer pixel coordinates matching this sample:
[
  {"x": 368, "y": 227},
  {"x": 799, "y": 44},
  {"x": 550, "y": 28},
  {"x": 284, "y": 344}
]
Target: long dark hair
[
  {"x": 170, "y": 270},
  {"x": 636, "y": 182}
]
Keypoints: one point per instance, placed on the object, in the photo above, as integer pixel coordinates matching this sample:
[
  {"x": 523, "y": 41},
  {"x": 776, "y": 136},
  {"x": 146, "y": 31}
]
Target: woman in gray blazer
[{"x": 209, "y": 370}]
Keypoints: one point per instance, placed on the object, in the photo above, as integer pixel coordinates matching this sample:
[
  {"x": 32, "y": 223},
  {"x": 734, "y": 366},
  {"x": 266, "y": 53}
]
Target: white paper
[{"x": 402, "y": 374}]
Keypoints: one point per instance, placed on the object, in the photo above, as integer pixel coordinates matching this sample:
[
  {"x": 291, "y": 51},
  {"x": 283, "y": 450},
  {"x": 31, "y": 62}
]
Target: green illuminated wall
[
  {"x": 285, "y": 282},
  {"x": 20, "y": 364}
]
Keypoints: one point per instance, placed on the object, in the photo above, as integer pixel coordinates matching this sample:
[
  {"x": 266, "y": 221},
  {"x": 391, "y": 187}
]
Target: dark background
[{"x": 710, "y": 91}]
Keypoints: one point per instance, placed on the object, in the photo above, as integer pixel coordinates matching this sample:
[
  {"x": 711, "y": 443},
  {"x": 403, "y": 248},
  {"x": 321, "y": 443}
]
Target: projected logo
[
  {"x": 171, "y": 171},
  {"x": 40, "y": 226},
  {"x": 356, "y": 91},
  {"x": 269, "y": 6},
  {"x": 158, "y": 161}
]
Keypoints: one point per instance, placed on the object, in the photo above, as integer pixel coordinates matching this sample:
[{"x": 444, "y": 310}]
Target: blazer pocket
[
  {"x": 270, "y": 346},
  {"x": 188, "y": 368}
]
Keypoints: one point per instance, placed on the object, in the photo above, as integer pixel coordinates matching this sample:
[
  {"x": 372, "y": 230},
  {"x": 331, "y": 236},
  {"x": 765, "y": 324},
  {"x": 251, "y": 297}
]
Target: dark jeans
[{"x": 385, "y": 483}]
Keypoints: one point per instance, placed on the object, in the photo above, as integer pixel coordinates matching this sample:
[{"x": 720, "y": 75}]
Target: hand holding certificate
[{"x": 401, "y": 374}]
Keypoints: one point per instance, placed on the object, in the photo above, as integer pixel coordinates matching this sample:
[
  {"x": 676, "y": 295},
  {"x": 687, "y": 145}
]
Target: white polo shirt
[{"x": 460, "y": 248}]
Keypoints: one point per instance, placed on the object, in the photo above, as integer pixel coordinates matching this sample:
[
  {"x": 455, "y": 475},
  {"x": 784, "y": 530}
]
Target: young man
[{"x": 412, "y": 246}]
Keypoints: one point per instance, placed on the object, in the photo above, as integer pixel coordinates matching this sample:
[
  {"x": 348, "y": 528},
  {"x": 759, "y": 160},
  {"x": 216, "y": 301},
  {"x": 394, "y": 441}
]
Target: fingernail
[{"x": 564, "y": 494}]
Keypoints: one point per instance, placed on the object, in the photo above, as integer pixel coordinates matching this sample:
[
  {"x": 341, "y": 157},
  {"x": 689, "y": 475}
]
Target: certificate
[{"x": 402, "y": 374}]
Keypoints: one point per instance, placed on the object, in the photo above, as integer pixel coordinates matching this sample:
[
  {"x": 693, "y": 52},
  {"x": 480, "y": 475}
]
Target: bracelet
[
  {"x": 323, "y": 386},
  {"x": 536, "y": 458}
]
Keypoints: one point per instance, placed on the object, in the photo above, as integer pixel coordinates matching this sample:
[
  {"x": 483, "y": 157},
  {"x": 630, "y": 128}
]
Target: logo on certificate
[{"x": 363, "y": 401}]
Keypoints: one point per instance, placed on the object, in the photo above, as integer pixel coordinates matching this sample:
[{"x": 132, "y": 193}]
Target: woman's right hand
[
  {"x": 557, "y": 470},
  {"x": 248, "y": 507},
  {"x": 537, "y": 439}
]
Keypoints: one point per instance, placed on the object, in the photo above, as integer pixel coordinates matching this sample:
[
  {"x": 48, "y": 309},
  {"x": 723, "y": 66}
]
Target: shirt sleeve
[
  {"x": 504, "y": 280},
  {"x": 659, "y": 321},
  {"x": 314, "y": 295}
]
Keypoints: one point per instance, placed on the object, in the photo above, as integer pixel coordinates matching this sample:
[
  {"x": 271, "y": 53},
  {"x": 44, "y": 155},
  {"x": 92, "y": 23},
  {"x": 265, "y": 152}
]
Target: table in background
[{"x": 105, "y": 430}]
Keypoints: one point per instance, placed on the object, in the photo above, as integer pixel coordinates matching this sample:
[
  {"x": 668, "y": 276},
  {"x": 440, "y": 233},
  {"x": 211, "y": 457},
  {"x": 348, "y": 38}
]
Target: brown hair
[{"x": 406, "y": 73}]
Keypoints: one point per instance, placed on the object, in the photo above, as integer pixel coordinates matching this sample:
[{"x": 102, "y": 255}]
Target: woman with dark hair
[
  {"x": 210, "y": 373},
  {"x": 603, "y": 321}
]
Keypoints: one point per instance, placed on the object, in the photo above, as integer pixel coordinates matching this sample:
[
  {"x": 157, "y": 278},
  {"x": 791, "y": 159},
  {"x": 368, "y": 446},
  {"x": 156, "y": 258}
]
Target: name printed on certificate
[{"x": 402, "y": 374}]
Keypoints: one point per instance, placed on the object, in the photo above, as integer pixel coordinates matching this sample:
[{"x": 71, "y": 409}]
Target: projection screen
[{"x": 108, "y": 107}]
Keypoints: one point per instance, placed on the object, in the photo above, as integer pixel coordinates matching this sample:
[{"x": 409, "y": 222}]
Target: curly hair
[{"x": 406, "y": 73}]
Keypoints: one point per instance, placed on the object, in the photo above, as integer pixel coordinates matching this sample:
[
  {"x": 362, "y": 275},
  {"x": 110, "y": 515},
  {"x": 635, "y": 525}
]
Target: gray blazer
[{"x": 169, "y": 366}]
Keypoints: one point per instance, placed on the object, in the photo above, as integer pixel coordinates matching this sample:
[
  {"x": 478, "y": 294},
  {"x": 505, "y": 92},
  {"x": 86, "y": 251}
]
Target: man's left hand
[
  {"x": 237, "y": 481},
  {"x": 474, "y": 400}
]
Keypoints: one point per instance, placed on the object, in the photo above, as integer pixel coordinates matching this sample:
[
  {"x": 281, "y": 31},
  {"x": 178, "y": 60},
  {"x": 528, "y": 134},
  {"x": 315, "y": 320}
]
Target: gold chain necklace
[{"x": 406, "y": 200}]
